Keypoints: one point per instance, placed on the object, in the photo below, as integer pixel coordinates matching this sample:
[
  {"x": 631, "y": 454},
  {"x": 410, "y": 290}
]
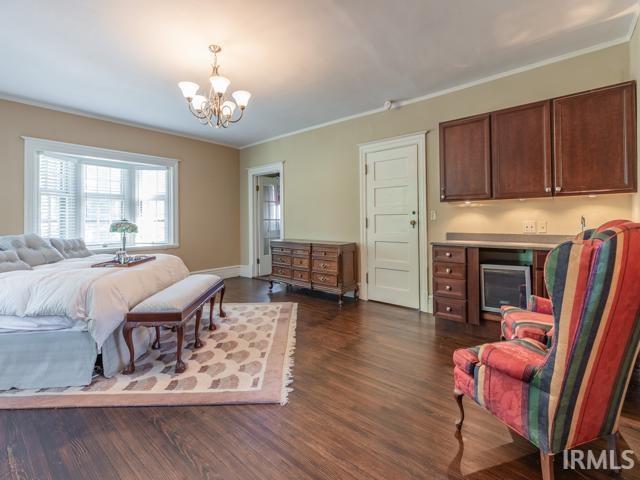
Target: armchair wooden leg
[
  {"x": 546, "y": 464},
  {"x": 612, "y": 444},
  {"x": 458, "y": 396}
]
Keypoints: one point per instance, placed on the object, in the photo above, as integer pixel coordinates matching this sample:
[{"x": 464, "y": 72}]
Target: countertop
[{"x": 490, "y": 244}]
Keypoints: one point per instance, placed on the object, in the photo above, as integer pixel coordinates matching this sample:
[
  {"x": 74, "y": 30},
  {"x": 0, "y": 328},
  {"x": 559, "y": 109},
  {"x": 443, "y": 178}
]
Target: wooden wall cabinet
[
  {"x": 509, "y": 154},
  {"x": 465, "y": 159},
  {"x": 595, "y": 141},
  {"x": 521, "y": 151}
]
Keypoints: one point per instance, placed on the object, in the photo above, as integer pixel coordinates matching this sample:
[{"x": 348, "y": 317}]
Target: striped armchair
[{"x": 571, "y": 392}]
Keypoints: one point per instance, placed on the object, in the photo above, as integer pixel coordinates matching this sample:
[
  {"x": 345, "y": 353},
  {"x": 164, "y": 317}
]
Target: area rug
[{"x": 247, "y": 359}]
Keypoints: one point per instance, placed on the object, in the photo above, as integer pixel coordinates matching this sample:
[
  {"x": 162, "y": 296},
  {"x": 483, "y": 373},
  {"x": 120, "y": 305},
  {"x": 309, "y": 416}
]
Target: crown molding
[{"x": 106, "y": 118}]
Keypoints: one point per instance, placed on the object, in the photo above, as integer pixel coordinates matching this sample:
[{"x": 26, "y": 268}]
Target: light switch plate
[
  {"x": 433, "y": 215},
  {"x": 529, "y": 226}
]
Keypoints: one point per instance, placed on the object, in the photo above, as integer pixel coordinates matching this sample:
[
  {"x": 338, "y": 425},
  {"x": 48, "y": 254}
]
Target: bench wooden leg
[
  {"x": 212, "y": 326},
  {"x": 127, "y": 332},
  {"x": 222, "y": 314},
  {"x": 180, "y": 366},
  {"x": 198, "y": 343},
  {"x": 156, "y": 344}
]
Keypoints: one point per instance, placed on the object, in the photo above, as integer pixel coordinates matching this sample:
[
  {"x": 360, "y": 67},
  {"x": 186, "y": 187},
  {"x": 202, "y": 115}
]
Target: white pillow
[
  {"x": 31, "y": 248},
  {"x": 74, "y": 248},
  {"x": 9, "y": 261}
]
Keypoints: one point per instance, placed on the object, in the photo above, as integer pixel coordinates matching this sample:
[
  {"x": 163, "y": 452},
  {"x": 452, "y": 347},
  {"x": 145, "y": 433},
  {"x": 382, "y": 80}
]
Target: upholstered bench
[{"x": 174, "y": 307}]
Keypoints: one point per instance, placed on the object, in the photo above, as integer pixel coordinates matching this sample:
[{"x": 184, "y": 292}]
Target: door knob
[{"x": 413, "y": 223}]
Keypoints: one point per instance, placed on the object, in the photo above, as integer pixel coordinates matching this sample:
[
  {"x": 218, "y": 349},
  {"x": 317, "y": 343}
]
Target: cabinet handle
[
  {"x": 447, "y": 288},
  {"x": 448, "y": 254},
  {"x": 558, "y": 189},
  {"x": 547, "y": 189},
  {"x": 448, "y": 270},
  {"x": 448, "y": 309}
]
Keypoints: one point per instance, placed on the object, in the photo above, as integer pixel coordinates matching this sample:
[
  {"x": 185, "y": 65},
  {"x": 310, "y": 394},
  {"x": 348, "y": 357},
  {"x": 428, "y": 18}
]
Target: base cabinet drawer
[
  {"x": 324, "y": 252},
  {"x": 449, "y": 254},
  {"x": 450, "y": 270},
  {"x": 322, "y": 265},
  {"x": 281, "y": 260},
  {"x": 450, "y": 309},
  {"x": 448, "y": 287},
  {"x": 278, "y": 271},
  {"x": 300, "y": 262}
]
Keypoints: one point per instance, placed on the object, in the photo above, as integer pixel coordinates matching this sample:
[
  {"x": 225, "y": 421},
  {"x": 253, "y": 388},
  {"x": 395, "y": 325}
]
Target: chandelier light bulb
[
  {"x": 189, "y": 89},
  {"x": 198, "y": 101},
  {"x": 241, "y": 97},
  {"x": 220, "y": 84},
  {"x": 228, "y": 108}
]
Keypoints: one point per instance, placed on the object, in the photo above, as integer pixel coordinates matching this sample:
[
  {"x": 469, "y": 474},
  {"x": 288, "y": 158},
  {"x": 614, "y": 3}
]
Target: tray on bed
[{"x": 131, "y": 262}]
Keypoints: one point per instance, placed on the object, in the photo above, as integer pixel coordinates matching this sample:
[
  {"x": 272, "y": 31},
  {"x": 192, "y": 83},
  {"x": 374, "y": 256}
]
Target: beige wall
[
  {"x": 321, "y": 166},
  {"x": 209, "y": 212}
]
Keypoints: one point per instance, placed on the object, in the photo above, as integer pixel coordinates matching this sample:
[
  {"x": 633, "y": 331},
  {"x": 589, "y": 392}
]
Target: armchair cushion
[
  {"x": 519, "y": 358},
  {"x": 540, "y": 305},
  {"x": 519, "y": 323}
]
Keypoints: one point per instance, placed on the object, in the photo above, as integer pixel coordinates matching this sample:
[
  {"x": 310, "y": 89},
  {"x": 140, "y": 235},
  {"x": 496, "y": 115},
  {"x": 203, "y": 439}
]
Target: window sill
[{"x": 135, "y": 248}]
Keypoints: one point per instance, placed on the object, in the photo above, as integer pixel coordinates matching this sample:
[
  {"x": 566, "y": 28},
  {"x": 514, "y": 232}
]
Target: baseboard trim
[
  {"x": 429, "y": 306},
  {"x": 225, "y": 272}
]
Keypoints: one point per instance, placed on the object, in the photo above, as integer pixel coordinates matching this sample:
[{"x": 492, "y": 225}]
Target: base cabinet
[{"x": 326, "y": 266}]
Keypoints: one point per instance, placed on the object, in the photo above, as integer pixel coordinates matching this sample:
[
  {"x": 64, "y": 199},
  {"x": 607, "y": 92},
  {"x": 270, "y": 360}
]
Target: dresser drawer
[
  {"x": 448, "y": 287},
  {"x": 301, "y": 251},
  {"x": 284, "y": 272},
  {"x": 450, "y": 309},
  {"x": 322, "y": 265},
  {"x": 301, "y": 275},
  {"x": 281, "y": 260},
  {"x": 325, "y": 252},
  {"x": 300, "y": 262},
  {"x": 450, "y": 270},
  {"x": 449, "y": 254},
  {"x": 324, "y": 279},
  {"x": 276, "y": 250}
]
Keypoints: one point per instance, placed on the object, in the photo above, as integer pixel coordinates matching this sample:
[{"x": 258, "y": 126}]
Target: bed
[{"x": 56, "y": 318}]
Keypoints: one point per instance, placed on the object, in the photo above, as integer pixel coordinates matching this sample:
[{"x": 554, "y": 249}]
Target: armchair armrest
[
  {"x": 519, "y": 358},
  {"x": 540, "y": 305}
]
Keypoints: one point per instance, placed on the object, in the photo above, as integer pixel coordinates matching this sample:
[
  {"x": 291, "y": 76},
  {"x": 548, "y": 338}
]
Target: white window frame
[{"x": 34, "y": 146}]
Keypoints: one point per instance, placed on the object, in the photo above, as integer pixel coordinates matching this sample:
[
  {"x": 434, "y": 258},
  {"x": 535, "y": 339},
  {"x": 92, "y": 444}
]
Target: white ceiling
[{"x": 306, "y": 62}]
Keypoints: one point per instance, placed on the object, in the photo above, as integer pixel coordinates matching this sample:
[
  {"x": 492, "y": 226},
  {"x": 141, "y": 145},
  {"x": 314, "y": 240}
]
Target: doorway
[
  {"x": 266, "y": 222},
  {"x": 393, "y": 228}
]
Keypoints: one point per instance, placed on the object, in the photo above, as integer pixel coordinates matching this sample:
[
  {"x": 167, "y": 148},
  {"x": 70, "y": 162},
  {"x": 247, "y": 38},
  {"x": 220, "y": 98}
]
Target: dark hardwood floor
[{"x": 372, "y": 399}]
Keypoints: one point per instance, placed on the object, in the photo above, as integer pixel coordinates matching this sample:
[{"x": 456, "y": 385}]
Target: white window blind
[{"x": 76, "y": 196}]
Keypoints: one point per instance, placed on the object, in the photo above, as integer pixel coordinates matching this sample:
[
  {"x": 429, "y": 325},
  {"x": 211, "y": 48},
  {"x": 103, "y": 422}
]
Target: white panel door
[{"x": 392, "y": 233}]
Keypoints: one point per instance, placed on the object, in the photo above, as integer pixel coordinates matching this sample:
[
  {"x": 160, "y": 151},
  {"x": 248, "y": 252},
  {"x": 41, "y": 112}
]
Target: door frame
[
  {"x": 252, "y": 227},
  {"x": 419, "y": 139}
]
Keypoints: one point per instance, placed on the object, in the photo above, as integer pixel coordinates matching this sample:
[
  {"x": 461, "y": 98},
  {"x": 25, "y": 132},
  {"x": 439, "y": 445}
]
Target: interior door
[
  {"x": 392, "y": 232},
  {"x": 269, "y": 219}
]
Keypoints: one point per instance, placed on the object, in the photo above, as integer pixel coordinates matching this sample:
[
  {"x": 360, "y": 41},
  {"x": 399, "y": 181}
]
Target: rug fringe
[{"x": 287, "y": 371}]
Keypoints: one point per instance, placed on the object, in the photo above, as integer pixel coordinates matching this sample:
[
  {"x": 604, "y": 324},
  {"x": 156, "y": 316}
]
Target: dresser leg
[
  {"x": 356, "y": 294},
  {"x": 270, "y": 286},
  {"x": 127, "y": 331},
  {"x": 340, "y": 300},
  {"x": 180, "y": 366}
]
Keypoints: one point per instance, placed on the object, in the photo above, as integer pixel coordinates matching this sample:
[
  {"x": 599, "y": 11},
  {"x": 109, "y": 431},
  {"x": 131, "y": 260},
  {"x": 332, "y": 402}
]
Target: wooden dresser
[{"x": 317, "y": 265}]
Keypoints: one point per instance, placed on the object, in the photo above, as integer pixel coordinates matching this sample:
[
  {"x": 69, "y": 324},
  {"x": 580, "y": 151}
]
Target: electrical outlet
[
  {"x": 542, "y": 226},
  {"x": 529, "y": 226},
  {"x": 433, "y": 215}
]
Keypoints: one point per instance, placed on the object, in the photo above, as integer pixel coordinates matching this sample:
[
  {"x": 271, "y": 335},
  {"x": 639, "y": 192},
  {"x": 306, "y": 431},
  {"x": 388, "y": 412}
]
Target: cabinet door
[
  {"x": 521, "y": 151},
  {"x": 465, "y": 159},
  {"x": 594, "y": 136}
]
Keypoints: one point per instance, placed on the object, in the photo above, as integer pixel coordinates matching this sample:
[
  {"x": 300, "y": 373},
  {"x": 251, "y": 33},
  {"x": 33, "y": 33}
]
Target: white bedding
[
  {"x": 11, "y": 324},
  {"x": 100, "y": 297}
]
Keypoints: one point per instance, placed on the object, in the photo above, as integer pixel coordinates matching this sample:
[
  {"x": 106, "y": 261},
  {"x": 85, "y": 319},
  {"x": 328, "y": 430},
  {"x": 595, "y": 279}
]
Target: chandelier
[{"x": 215, "y": 109}]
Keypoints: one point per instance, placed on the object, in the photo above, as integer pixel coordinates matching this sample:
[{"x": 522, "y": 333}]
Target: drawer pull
[
  {"x": 448, "y": 287},
  {"x": 448, "y": 270},
  {"x": 447, "y": 254},
  {"x": 322, "y": 279},
  {"x": 448, "y": 309}
]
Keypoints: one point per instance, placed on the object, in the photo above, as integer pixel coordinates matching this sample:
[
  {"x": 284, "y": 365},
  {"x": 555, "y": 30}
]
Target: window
[{"x": 74, "y": 191}]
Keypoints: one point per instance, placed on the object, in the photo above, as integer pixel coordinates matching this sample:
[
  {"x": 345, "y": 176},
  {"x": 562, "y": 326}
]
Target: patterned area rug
[{"x": 247, "y": 359}]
